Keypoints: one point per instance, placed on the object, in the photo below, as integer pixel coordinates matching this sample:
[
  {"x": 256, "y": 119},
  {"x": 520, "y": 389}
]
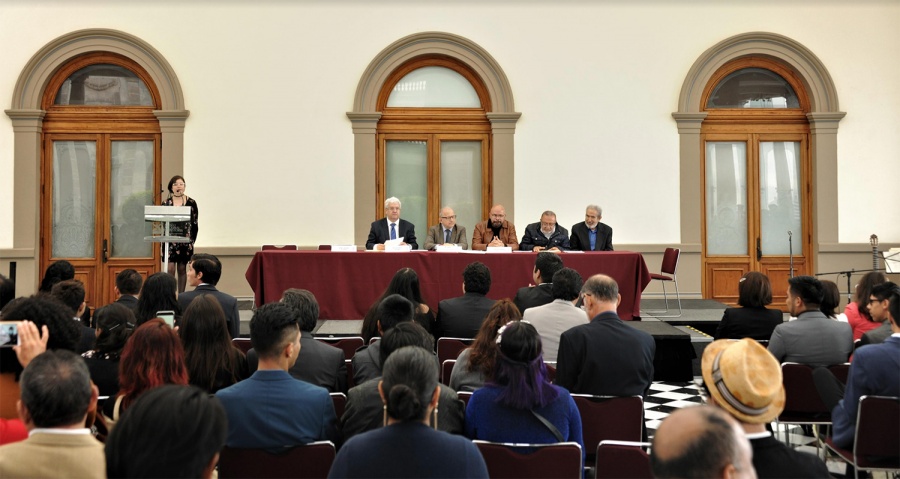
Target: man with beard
[
  {"x": 545, "y": 235},
  {"x": 591, "y": 235},
  {"x": 496, "y": 231}
]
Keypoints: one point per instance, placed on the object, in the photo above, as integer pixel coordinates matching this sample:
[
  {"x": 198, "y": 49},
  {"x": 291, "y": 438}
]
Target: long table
[{"x": 347, "y": 283}]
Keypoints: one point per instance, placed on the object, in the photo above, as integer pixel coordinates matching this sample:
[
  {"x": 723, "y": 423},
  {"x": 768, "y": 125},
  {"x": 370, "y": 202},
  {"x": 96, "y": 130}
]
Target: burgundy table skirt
[{"x": 346, "y": 284}]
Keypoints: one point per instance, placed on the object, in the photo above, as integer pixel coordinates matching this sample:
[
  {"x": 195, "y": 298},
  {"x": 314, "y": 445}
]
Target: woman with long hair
[
  {"x": 213, "y": 361},
  {"x": 475, "y": 364},
  {"x": 519, "y": 404},
  {"x": 753, "y": 319},
  {"x": 405, "y": 283},
  {"x": 159, "y": 293},
  {"x": 407, "y": 446},
  {"x": 153, "y": 356},
  {"x": 180, "y": 253},
  {"x": 858, "y": 311},
  {"x": 831, "y": 300},
  {"x": 115, "y": 323}
]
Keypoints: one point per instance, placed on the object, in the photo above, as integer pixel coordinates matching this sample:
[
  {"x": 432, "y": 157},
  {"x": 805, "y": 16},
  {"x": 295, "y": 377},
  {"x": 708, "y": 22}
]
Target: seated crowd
[{"x": 184, "y": 391}]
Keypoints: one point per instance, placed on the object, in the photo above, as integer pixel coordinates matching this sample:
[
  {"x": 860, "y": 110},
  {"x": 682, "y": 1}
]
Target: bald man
[
  {"x": 495, "y": 231},
  {"x": 701, "y": 442},
  {"x": 447, "y": 232}
]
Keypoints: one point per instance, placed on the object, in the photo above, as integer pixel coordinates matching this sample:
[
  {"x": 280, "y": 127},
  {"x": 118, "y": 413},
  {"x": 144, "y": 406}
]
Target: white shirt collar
[
  {"x": 66, "y": 432},
  {"x": 758, "y": 435}
]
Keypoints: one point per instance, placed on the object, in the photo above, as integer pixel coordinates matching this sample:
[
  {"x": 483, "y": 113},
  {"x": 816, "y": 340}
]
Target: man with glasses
[
  {"x": 545, "y": 235},
  {"x": 495, "y": 231},
  {"x": 447, "y": 233},
  {"x": 591, "y": 234},
  {"x": 879, "y": 301}
]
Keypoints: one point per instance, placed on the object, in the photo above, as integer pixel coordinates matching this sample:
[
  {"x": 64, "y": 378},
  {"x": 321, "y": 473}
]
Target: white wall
[{"x": 269, "y": 150}]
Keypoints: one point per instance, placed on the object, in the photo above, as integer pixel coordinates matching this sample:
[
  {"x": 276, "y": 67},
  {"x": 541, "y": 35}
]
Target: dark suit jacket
[
  {"x": 128, "y": 301},
  {"x": 436, "y": 236},
  {"x": 531, "y": 296},
  {"x": 756, "y": 323},
  {"x": 88, "y": 336},
  {"x": 461, "y": 317},
  {"x": 318, "y": 363},
  {"x": 605, "y": 357},
  {"x": 227, "y": 301},
  {"x": 534, "y": 237},
  {"x": 379, "y": 233},
  {"x": 772, "y": 458},
  {"x": 581, "y": 241}
]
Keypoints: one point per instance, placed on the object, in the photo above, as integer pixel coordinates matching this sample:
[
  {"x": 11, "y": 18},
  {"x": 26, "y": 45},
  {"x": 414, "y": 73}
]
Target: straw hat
[{"x": 745, "y": 379}]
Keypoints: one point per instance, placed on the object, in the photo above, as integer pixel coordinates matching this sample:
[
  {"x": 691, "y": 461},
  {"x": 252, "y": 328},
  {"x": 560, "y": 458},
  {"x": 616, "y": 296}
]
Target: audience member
[
  {"x": 496, "y": 231},
  {"x": 553, "y": 319},
  {"x": 461, "y": 317},
  {"x": 701, "y": 442},
  {"x": 115, "y": 323},
  {"x": 545, "y": 266},
  {"x": 56, "y": 395},
  {"x": 405, "y": 283},
  {"x": 744, "y": 379},
  {"x": 475, "y": 364},
  {"x": 591, "y": 234},
  {"x": 391, "y": 228},
  {"x": 447, "y": 232},
  {"x": 271, "y": 409},
  {"x": 61, "y": 270},
  {"x": 212, "y": 361},
  {"x": 879, "y": 310},
  {"x": 203, "y": 273},
  {"x": 812, "y": 339},
  {"x": 128, "y": 287},
  {"x": 7, "y": 290},
  {"x": 319, "y": 363},
  {"x": 545, "y": 235},
  {"x": 31, "y": 344},
  {"x": 858, "y": 311},
  {"x": 831, "y": 299},
  {"x": 520, "y": 391},
  {"x": 392, "y": 310},
  {"x": 44, "y": 310},
  {"x": 71, "y": 293},
  {"x": 605, "y": 357},
  {"x": 407, "y": 447},
  {"x": 152, "y": 357},
  {"x": 172, "y": 431},
  {"x": 160, "y": 293},
  {"x": 753, "y": 319},
  {"x": 364, "y": 407}
]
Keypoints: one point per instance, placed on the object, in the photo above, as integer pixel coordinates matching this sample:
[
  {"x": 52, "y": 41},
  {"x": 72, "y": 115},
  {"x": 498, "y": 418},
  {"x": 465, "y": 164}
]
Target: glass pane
[
  {"x": 779, "y": 195},
  {"x": 461, "y": 181},
  {"x": 726, "y": 198},
  {"x": 406, "y": 172},
  {"x": 74, "y": 202},
  {"x": 433, "y": 87},
  {"x": 104, "y": 85},
  {"x": 131, "y": 188},
  {"x": 753, "y": 88}
]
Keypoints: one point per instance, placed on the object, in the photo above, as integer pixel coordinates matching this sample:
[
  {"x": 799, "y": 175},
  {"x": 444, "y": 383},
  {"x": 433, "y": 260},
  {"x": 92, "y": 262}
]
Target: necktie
[
  {"x": 393, "y": 231},
  {"x": 446, "y": 236}
]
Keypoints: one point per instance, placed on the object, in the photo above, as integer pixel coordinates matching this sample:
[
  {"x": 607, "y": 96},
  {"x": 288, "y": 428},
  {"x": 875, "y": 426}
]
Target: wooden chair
[
  {"x": 449, "y": 348},
  {"x": 669, "y": 266},
  {"x": 243, "y": 344},
  {"x": 608, "y": 418},
  {"x": 340, "y": 403},
  {"x": 623, "y": 459},
  {"x": 446, "y": 370},
  {"x": 505, "y": 461},
  {"x": 876, "y": 446},
  {"x": 348, "y": 344},
  {"x": 310, "y": 461},
  {"x": 272, "y": 247}
]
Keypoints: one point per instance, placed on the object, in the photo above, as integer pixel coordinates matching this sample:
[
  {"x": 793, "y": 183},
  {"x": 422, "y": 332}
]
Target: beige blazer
[{"x": 54, "y": 455}]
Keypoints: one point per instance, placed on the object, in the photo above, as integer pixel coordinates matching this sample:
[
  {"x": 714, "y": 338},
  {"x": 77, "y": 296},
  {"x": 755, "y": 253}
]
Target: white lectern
[{"x": 167, "y": 215}]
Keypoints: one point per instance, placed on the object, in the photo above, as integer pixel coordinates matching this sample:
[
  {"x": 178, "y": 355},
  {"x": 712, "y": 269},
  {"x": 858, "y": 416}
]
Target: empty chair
[
  {"x": 311, "y": 461},
  {"x": 669, "y": 266},
  {"x": 609, "y": 418},
  {"x": 876, "y": 446},
  {"x": 511, "y": 461},
  {"x": 449, "y": 348},
  {"x": 623, "y": 459},
  {"x": 272, "y": 247}
]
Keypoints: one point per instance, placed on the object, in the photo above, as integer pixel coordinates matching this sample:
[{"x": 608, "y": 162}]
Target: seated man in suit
[
  {"x": 591, "y": 234},
  {"x": 271, "y": 409},
  {"x": 495, "y": 231},
  {"x": 545, "y": 235},
  {"x": 393, "y": 310},
  {"x": 71, "y": 293},
  {"x": 461, "y": 317},
  {"x": 447, "y": 232},
  {"x": 545, "y": 266},
  {"x": 319, "y": 363},
  {"x": 813, "y": 338},
  {"x": 203, "y": 273},
  {"x": 365, "y": 408},
  {"x": 128, "y": 286},
  {"x": 391, "y": 228},
  {"x": 56, "y": 395},
  {"x": 879, "y": 310},
  {"x": 553, "y": 319},
  {"x": 605, "y": 357}
]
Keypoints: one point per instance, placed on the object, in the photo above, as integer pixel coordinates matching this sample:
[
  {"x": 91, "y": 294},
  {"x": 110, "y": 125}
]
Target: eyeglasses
[
  {"x": 874, "y": 300},
  {"x": 448, "y": 217}
]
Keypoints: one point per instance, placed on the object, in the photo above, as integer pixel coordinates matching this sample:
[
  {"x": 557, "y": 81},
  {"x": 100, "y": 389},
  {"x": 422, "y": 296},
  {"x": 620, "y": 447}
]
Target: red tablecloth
[{"x": 346, "y": 284}]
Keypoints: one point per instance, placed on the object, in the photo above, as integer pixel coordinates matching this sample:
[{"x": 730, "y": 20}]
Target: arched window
[{"x": 753, "y": 88}]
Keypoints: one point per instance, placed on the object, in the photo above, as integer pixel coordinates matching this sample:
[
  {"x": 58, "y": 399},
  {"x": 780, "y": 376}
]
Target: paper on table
[
  {"x": 452, "y": 248},
  {"x": 499, "y": 249}
]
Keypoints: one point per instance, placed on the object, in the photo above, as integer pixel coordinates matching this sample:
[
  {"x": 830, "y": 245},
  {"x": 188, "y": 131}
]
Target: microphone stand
[
  {"x": 791, "y": 252},
  {"x": 848, "y": 273}
]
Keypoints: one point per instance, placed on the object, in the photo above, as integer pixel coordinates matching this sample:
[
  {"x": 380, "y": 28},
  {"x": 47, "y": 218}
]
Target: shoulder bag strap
[{"x": 550, "y": 426}]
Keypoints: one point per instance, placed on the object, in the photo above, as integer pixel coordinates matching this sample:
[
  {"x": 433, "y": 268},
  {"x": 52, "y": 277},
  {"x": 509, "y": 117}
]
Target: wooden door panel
[
  {"x": 779, "y": 271},
  {"x": 722, "y": 278}
]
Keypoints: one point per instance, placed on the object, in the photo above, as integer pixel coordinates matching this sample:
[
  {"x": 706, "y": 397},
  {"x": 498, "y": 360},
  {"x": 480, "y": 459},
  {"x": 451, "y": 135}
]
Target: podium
[{"x": 168, "y": 215}]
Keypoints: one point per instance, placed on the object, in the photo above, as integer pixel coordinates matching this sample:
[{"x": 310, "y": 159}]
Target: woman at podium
[{"x": 180, "y": 253}]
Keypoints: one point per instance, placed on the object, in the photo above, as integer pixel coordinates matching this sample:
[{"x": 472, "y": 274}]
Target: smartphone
[
  {"x": 9, "y": 334},
  {"x": 167, "y": 316}
]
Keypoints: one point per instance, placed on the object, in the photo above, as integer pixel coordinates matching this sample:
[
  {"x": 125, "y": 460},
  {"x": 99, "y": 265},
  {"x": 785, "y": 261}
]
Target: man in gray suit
[
  {"x": 447, "y": 232},
  {"x": 812, "y": 338},
  {"x": 553, "y": 319}
]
